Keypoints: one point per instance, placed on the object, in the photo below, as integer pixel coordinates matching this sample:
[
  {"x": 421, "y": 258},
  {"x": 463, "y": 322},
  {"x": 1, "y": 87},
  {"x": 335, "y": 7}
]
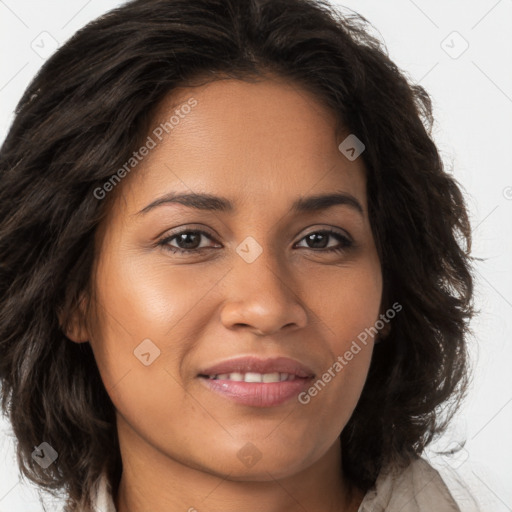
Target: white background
[{"x": 472, "y": 96}]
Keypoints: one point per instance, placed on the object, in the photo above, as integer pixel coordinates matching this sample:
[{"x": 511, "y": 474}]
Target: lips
[
  {"x": 256, "y": 382},
  {"x": 249, "y": 367}
]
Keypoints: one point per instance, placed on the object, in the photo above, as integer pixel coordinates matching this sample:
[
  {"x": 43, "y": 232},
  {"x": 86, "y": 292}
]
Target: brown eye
[
  {"x": 320, "y": 240},
  {"x": 187, "y": 241}
]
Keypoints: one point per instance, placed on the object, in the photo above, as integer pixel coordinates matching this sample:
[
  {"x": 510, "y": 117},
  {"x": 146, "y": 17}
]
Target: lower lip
[{"x": 256, "y": 394}]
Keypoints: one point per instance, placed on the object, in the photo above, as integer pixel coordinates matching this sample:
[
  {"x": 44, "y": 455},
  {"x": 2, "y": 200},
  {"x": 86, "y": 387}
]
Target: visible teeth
[
  {"x": 254, "y": 377},
  {"x": 270, "y": 377}
]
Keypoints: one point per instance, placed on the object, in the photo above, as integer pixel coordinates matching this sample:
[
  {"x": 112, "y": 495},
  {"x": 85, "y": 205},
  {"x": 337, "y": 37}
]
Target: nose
[{"x": 262, "y": 297}]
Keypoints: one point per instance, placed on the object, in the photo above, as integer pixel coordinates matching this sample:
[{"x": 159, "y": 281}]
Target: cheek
[
  {"x": 346, "y": 302},
  {"x": 158, "y": 292},
  {"x": 169, "y": 307},
  {"x": 149, "y": 322},
  {"x": 347, "y": 306},
  {"x": 137, "y": 301}
]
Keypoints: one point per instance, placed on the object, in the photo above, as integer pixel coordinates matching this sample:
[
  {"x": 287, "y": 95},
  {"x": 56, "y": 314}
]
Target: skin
[{"x": 261, "y": 145}]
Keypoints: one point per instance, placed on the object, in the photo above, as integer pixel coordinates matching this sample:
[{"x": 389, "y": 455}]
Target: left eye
[
  {"x": 319, "y": 239},
  {"x": 190, "y": 241}
]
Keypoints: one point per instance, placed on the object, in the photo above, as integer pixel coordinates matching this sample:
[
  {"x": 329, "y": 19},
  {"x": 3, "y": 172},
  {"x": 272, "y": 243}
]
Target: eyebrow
[{"x": 220, "y": 204}]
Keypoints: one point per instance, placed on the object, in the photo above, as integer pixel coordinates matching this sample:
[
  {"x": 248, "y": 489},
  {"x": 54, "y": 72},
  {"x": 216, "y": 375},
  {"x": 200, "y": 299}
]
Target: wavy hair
[{"x": 88, "y": 109}]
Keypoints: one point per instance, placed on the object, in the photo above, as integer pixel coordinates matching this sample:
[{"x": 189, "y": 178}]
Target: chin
[
  {"x": 262, "y": 468},
  {"x": 263, "y": 473}
]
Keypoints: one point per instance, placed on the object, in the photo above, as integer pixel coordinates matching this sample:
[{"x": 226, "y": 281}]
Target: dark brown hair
[{"x": 84, "y": 114}]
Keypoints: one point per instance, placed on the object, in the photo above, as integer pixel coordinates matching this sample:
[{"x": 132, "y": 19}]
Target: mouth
[
  {"x": 253, "y": 377},
  {"x": 257, "y": 382},
  {"x": 255, "y": 369}
]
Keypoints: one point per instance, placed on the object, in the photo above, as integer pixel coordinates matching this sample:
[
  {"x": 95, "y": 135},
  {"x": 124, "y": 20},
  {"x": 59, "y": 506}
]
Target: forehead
[{"x": 255, "y": 143}]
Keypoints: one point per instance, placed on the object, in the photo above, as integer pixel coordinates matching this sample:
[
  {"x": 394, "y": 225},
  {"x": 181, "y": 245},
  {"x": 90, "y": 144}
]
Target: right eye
[{"x": 188, "y": 241}]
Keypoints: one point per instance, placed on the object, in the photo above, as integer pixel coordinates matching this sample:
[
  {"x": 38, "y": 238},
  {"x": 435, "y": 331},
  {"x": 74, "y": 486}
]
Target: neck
[{"x": 155, "y": 481}]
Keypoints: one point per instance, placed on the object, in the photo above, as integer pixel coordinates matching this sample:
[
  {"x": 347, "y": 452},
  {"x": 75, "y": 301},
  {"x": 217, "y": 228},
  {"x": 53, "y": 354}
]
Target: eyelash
[{"x": 346, "y": 242}]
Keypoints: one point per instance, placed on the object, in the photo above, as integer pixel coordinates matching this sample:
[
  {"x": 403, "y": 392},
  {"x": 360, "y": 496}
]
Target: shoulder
[
  {"x": 417, "y": 488},
  {"x": 101, "y": 496}
]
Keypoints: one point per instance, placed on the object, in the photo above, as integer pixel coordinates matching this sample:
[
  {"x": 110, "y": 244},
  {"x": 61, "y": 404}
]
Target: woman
[{"x": 233, "y": 268}]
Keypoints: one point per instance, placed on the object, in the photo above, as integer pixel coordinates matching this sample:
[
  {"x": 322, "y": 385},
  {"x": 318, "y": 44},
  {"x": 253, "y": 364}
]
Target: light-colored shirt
[{"x": 417, "y": 488}]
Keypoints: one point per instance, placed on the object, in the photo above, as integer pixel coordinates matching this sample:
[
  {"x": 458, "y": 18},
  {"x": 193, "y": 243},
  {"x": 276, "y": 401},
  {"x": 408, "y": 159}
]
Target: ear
[
  {"x": 73, "y": 325},
  {"x": 384, "y": 332},
  {"x": 386, "y": 329}
]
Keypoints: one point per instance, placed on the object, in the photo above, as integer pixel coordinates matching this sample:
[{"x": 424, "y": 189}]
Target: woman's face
[{"x": 259, "y": 278}]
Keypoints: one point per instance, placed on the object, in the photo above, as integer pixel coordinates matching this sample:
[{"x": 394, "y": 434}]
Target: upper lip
[{"x": 257, "y": 365}]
